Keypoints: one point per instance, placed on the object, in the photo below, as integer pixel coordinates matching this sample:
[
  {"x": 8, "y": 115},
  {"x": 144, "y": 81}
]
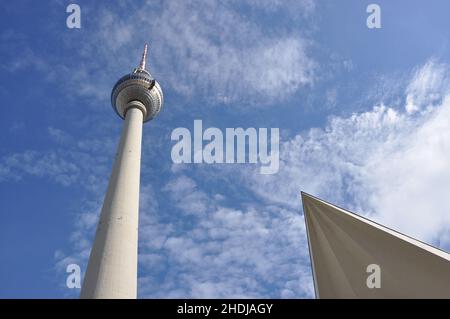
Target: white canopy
[{"x": 351, "y": 256}]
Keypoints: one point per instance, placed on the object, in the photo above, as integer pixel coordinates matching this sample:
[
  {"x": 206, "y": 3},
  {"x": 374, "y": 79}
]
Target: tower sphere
[{"x": 138, "y": 86}]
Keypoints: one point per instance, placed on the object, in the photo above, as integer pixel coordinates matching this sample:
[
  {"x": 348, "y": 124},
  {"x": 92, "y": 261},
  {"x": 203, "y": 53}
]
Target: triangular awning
[{"x": 346, "y": 250}]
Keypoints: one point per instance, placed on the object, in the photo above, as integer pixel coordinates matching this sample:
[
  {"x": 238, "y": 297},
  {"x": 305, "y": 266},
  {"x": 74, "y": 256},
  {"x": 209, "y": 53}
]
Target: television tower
[{"x": 112, "y": 268}]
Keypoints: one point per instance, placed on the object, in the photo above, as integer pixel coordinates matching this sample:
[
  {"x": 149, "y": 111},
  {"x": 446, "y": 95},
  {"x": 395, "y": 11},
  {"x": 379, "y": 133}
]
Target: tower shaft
[{"x": 112, "y": 268}]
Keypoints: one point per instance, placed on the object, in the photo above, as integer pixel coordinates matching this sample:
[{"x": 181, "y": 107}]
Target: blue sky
[{"x": 363, "y": 117}]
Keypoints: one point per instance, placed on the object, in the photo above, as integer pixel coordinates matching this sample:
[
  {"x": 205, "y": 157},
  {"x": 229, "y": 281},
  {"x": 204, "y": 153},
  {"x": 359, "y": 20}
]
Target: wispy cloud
[
  {"x": 388, "y": 162},
  {"x": 34, "y": 163},
  {"x": 202, "y": 50},
  {"x": 426, "y": 89},
  {"x": 185, "y": 194},
  {"x": 255, "y": 252}
]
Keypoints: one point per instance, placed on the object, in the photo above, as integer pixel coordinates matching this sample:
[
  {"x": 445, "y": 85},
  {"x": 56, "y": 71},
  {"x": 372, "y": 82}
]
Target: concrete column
[{"x": 112, "y": 269}]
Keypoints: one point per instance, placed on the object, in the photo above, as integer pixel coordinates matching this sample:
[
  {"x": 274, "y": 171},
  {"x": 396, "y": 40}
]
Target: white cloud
[
  {"x": 297, "y": 7},
  {"x": 222, "y": 252},
  {"x": 58, "y": 135},
  {"x": 426, "y": 88},
  {"x": 410, "y": 183},
  {"x": 203, "y": 50},
  {"x": 186, "y": 196},
  {"x": 388, "y": 163},
  {"x": 215, "y": 51},
  {"x": 83, "y": 162},
  {"x": 49, "y": 164},
  {"x": 233, "y": 253}
]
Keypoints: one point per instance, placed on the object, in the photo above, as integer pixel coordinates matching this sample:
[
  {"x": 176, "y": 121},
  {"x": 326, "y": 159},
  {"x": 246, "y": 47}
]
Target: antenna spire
[{"x": 144, "y": 58}]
